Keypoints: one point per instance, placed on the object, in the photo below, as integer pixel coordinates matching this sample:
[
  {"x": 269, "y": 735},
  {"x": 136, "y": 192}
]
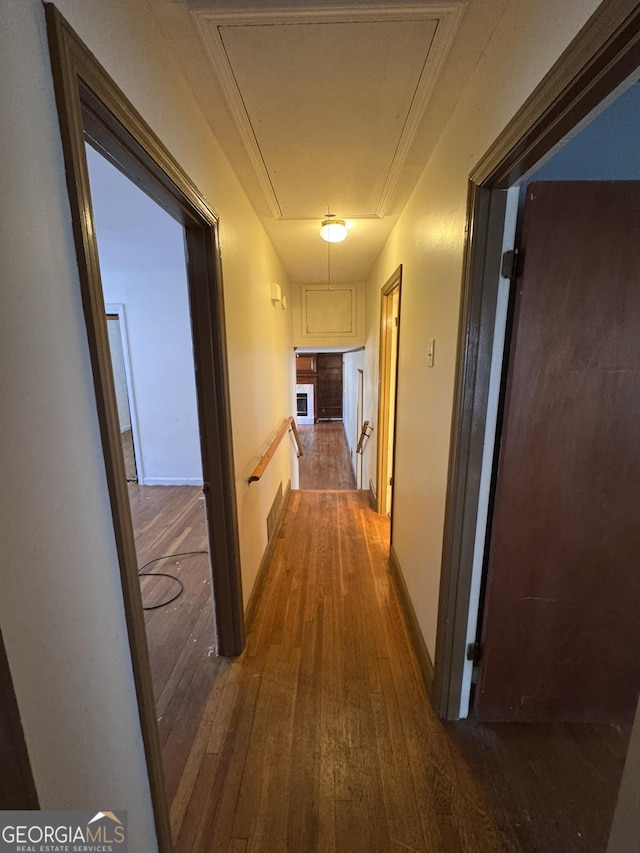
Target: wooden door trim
[
  {"x": 384, "y": 379},
  {"x": 89, "y": 103},
  {"x": 600, "y": 58}
]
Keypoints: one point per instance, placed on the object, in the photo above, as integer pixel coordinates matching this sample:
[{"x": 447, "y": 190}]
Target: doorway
[
  {"x": 359, "y": 425},
  {"x": 144, "y": 278},
  {"x": 92, "y": 109},
  {"x": 124, "y": 393},
  {"x": 389, "y": 337},
  {"x": 558, "y": 634},
  {"x": 608, "y": 51}
]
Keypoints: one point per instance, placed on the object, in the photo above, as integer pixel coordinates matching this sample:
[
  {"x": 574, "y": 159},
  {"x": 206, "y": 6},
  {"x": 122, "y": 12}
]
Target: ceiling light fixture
[{"x": 333, "y": 230}]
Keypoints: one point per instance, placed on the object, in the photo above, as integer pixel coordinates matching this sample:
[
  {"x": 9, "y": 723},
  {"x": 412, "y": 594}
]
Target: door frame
[
  {"x": 118, "y": 310},
  {"x": 598, "y": 61},
  {"x": 384, "y": 389},
  {"x": 92, "y": 108},
  {"x": 359, "y": 416}
]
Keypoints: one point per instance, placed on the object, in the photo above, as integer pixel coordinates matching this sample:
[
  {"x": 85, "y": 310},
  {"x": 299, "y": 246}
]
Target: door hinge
[
  {"x": 509, "y": 268},
  {"x": 474, "y": 652},
  {"x": 206, "y": 489}
]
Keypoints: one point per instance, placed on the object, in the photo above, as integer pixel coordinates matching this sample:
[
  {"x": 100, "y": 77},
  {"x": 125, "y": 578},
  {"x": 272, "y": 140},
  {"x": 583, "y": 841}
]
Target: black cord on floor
[{"x": 141, "y": 572}]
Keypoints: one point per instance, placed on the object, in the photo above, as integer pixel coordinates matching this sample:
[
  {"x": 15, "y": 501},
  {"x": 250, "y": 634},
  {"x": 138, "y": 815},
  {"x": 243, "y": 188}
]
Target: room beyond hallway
[
  {"x": 325, "y": 461},
  {"x": 320, "y": 735},
  {"x": 170, "y": 520}
]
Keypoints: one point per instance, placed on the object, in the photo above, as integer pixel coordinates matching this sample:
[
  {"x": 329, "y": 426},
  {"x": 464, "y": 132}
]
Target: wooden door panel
[{"x": 561, "y": 620}]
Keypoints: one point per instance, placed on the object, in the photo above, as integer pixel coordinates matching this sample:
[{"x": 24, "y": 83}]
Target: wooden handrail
[
  {"x": 287, "y": 425},
  {"x": 296, "y": 437},
  {"x": 363, "y": 434}
]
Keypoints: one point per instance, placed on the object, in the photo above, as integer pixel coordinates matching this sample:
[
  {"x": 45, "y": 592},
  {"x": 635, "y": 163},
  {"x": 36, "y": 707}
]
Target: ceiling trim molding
[
  {"x": 442, "y": 40},
  {"x": 212, "y": 40},
  {"x": 209, "y": 22},
  {"x": 325, "y": 14}
]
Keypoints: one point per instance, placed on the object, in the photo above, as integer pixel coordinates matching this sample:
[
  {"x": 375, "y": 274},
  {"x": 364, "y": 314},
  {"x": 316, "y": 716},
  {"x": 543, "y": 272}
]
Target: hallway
[
  {"x": 325, "y": 461},
  {"x": 320, "y": 736}
]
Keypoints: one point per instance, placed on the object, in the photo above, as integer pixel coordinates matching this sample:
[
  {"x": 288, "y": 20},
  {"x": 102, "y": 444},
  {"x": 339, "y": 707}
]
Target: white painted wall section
[
  {"x": 143, "y": 267},
  {"x": 351, "y": 362}
]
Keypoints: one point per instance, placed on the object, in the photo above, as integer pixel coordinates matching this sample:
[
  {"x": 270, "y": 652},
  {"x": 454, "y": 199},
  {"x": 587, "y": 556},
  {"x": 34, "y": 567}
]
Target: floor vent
[{"x": 274, "y": 512}]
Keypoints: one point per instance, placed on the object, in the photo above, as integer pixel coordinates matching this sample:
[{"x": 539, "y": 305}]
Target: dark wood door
[{"x": 562, "y": 609}]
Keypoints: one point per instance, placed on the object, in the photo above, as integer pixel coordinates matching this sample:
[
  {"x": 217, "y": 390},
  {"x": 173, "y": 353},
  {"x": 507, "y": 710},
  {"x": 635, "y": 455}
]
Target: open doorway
[
  {"x": 145, "y": 289},
  {"x": 609, "y": 50},
  {"x": 327, "y": 400},
  {"x": 91, "y": 108},
  {"x": 596, "y": 68},
  {"x": 359, "y": 425},
  {"x": 124, "y": 389}
]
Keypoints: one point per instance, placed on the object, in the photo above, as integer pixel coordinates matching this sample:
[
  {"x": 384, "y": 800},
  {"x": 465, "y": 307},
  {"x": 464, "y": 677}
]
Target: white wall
[
  {"x": 143, "y": 267},
  {"x": 352, "y": 362},
  {"x": 429, "y": 242},
  {"x": 61, "y": 608}
]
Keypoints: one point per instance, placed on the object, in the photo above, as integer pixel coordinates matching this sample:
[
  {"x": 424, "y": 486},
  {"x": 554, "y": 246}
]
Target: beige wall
[
  {"x": 61, "y": 609},
  {"x": 429, "y": 242}
]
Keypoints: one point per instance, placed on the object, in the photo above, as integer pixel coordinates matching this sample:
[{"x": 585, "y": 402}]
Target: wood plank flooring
[
  {"x": 325, "y": 463},
  {"x": 552, "y": 786},
  {"x": 168, "y": 520},
  {"x": 320, "y": 736}
]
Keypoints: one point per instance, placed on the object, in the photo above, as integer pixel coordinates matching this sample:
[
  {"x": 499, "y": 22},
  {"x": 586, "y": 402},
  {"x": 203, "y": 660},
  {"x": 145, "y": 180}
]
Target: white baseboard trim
[{"x": 171, "y": 481}]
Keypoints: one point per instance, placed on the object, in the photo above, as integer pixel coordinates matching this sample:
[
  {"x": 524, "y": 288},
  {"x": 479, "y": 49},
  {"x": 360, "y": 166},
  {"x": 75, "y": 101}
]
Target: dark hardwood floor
[
  {"x": 320, "y": 736},
  {"x": 552, "y": 787},
  {"x": 168, "y": 520},
  {"x": 325, "y": 462}
]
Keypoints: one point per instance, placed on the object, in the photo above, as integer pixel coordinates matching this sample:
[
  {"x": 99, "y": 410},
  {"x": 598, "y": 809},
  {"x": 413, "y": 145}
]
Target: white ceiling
[{"x": 323, "y": 108}]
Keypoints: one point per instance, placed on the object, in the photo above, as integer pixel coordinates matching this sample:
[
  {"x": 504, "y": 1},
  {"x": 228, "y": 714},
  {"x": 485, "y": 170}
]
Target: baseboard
[
  {"x": 373, "y": 498},
  {"x": 256, "y": 592},
  {"x": 422, "y": 653},
  {"x": 171, "y": 481}
]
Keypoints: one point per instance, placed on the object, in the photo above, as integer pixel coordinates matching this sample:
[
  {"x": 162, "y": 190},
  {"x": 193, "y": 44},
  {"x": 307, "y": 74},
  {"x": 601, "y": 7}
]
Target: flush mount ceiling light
[{"x": 333, "y": 230}]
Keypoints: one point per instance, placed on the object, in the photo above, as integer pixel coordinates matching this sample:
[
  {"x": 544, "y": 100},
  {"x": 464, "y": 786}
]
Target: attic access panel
[{"x": 328, "y": 102}]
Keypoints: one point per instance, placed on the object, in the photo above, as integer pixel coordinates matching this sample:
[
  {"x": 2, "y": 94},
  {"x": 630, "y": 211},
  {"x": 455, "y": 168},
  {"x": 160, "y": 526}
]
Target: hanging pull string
[{"x": 329, "y": 252}]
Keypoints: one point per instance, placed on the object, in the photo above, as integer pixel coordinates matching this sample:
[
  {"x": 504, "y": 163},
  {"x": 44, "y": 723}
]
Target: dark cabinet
[
  {"x": 323, "y": 370},
  {"x": 329, "y": 386}
]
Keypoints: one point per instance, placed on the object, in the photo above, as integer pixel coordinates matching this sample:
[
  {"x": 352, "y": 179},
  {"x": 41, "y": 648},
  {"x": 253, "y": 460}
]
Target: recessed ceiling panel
[
  {"x": 327, "y": 104},
  {"x": 328, "y": 101}
]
